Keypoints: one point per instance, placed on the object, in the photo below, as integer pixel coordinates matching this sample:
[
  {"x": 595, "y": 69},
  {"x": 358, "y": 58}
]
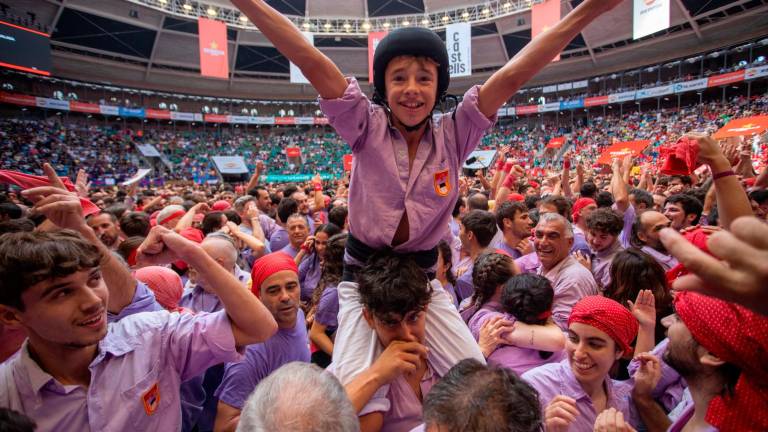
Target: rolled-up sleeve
[
  {"x": 143, "y": 301},
  {"x": 349, "y": 114},
  {"x": 471, "y": 124}
]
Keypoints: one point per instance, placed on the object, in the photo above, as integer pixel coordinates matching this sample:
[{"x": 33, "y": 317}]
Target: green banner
[{"x": 290, "y": 178}]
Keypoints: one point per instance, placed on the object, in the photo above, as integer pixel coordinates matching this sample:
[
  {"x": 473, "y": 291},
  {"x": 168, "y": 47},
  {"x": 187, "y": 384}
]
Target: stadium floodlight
[
  {"x": 163, "y": 2},
  {"x": 211, "y": 12},
  {"x": 366, "y": 26},
  {"x": 243, "y": 18},
  {"x": 187, "y": 7},
  {"x": 347, "y": 26},
  {"x": 405, "y": 23},
  {"x": 386, "y": 24},
  {"x": 425, "y": 22},
  {"x": 327, "y": 26},
  {"x": 446, "y": 18}
]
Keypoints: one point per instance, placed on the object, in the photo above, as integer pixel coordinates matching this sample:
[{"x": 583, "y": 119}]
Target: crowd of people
[{"x": 544, "y": 293}]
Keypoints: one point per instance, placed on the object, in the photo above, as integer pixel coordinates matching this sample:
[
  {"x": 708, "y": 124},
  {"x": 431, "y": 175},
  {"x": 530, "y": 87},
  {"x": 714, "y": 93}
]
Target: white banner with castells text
[
  {"x": 458, "y": 41},
  {"x": 649, "y": 16}
]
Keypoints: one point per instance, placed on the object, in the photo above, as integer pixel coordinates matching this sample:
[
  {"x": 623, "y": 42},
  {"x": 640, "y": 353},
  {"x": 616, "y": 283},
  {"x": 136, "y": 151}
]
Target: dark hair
[
  {"x": 532, "y": 201},
  {"x": 760, "y": 196},
  {"x": 642, "y": 197},
  {"x": 135, "y": 224},
  {"x": 117, "y": 211},
  {"x": 633, "y": 270},
  {"x": 290, "y": 189},
  {"x": 604, "y": 199},
  {"x": 17, "y": 225},
  {"x": 684, "y": 179},
  {"x": 528, "y": 297},
  {"x": 287, "y": 207},
  {"x": 588, "y": 190},
  {"x": 477, "y": 201},
  {"x": 561, "y": 204},
  {"x": 392, "y": 284},
  {"x": 330, "y": 228},
  {"x": 605, "y": 220},
  {"x": 474, "y": 397},
  {"x": 445, "y": 250},
  {"x": 333, "y": 265},
  {"x": 211, "y": 222},
  {"x": 11, "y": 210},
  {"x": 128, "y": 245},
  {"x": 460, "y": 202},
  {"x": 12, "y": 421},
  {"x": 508, "y": 210},
  {"x": 482, "y": 224},
  {"x": 27, "y": 258},
  {"x": 338, "y": 216},
  {"x": 233, "y": 216},
  {"x": 491, "y": 269},
  {"x": 690, "y": 205}
]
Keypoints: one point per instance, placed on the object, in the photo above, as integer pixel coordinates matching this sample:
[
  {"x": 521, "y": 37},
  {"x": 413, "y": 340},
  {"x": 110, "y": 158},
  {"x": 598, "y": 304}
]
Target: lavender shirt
[
  {"x": 279, "y": 239},
  {"x": 669, "y": 391},
  {"x": 382, "y": 186},
  {"x": 601, "y": 264},
  {"x": 667, "y": 262},
  {"x": 685, "y": 417},
  {"x": 309, "y": 275},
  {"x": 290, "y": 250},
  {"x": 135, "y": 377},
  {"x": 464, "y": 286},
  {"x": 571, "y": 282},
  {"x": 511, "y": 251},
  {"x": 520, "y": 360},
  {"x": 629, "y": 220},
  {"x": 197, "y": 299},
  {"x": 555, "y": 379},
  {"x": 143, "y": 301},
  {"x": 285, "y": 346},
  {"x": 328, "y": 308}
]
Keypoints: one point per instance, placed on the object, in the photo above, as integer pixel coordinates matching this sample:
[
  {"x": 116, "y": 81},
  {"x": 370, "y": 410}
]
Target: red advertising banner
[
  {"x": 726, "y": 78},
  {"x": 84, "y": 107},
  {"x": 347, "y": 162},
  {"x": 595, "y": 101},
  {"x": 373, "y": 41},
  {"x": 621, "y": 149},
  {"x": 743, "y": 126},
  {"x": 293, "y": 152},
  {"x": 18, "y": 99},
  {"x": 526, "y": 109},
  {"x": 216, "y": 118},
  {"x": 556, "y": 142},
  {"x": 158, "y": 114},
  {"x": 285, "y": 120},
  {"x": 214, "y": 61},
  {"x": 321, "y": 120},
  {"x": 543, "y": 17}
]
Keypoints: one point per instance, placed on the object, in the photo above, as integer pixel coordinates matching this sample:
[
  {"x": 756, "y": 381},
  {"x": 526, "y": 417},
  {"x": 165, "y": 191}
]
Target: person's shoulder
[
  {"x": 546, "y": 373},
  {"x": 141, "y": 323}
]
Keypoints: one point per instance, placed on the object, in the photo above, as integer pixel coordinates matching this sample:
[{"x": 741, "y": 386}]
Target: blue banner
[
  {"x": 131, "y": 112},
  {"x": 572, "y": 104}
]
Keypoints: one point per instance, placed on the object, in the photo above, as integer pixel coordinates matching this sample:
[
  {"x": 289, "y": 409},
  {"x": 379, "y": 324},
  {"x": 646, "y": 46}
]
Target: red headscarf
[
  {"x": 166, "y": 285},
  {"x": 221, "y": 205},
  {"x": 579, "y": 205},
  {"x": 738, "y": 336},
  {"x": 608, "y": 316},
  {"x": 516, "y": 197},
  {"x": 268, "y": 265}
]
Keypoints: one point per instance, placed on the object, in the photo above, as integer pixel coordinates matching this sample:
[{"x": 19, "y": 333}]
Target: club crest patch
[
  {"x": 442, "y": 182},
  {"x": 151, "y": 399}
]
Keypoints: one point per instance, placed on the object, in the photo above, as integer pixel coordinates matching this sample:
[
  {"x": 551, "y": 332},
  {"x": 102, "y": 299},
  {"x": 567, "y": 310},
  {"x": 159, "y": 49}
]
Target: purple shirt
[
  {"x": 382, "y": 187},
  {"x": 279, "y": 239},
  {"x": 139, "y": 367},
  {"x": 143, "y": 301},
  {"x": 629, "y": 219},
  {"x": 511, "y": 251},
  {"x": 327, "y": 312},
  {"x": 240, "y": 379},
  {"x": 669, "y": 390},
  {"x": 268, "y": 225},
  {"x": 520, "y": 360},
  {"x": 528, "y": 263},
  {"x": 685, "y": 417},
  {"x": 571, "y": 282},
  {"x": 309, "y": 275},
  {"x": 464, "y": 286},
  {"x": 601, "y": 264},
  {"x": 290, "y": 250},
  {"x": 555, "y": 379},
  {"x": 667, "y": 262}
]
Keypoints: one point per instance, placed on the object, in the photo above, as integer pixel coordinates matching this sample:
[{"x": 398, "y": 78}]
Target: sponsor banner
[
  {"x": 348, "y": 162},
  {"x": 596, "y": 101},
  {"x": 581, "y": 84},
  {"x": 621, "y": 149},
  {"x": 650, "y": 16},
  {"x": 511, "y": 111},
  {"x": 285, "y": 120},
  {"x": 109, "y": 110},
  {"x": 572, "y": 104},
  {"x": 549, "y": 107},
  {"x": 697, "y": 84},
  {"x": 305, "y": 120},
  {"x": 321, "y": 120},
  {"x": 726, "y": 78},
  {"x": 502, "y": 112},
  {"x": 654, "y": 92},
  {"x": 148, "y": 150},
  {"x": 756, "y": 72},
  {"x": 216, "y": 118},
  {"x": 293, "y": 152},
  {"x": 564, "y": 86},
  {"x": 556, "y": 142},
  {"x": 261, "y": 120},
  {"x": 373, "y": 41},
  {"x": 183, "y": 116},
  {"x": 526, "y": 109},
  {"x": 239, "y": 119},
  {"x": 18, "y": 99},
  {"x": 458, "y": 42},
  {"x": 42, "y": 102},
  {"x": 140, "y": 174},
  {"x": 743, "y": 126},
  {"x": 196, "y": 117},
  {"x": 230, "y": 164},
  {"x": 480, "y": 159},
  {"x": 131, "y": 112},
  {"x": 296, "y": 76},
  {"x": 158, "y": 114},
  {"x": 621, "y": 97},
  {"x": 549, "y": 89},
  {"x": 84, "y": 107},
  {"x": 213, "y": 48},
  {"x": 543, "y": 17},
  {"x": 294, "y": 178}
]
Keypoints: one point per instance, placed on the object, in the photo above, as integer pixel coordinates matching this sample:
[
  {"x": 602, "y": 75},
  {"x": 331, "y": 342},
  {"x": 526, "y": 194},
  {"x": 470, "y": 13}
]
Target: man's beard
[{"x": 686, "y": 367}]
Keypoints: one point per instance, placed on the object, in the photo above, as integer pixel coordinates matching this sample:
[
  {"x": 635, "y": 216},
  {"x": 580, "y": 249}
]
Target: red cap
[{"x": 221, "y": 205}]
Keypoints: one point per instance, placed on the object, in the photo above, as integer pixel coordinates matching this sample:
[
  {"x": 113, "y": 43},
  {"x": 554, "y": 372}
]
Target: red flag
[
  {"x": 293, "y": 152},
  {"x": 743, "y": 126},
  {"x": 214, "y": 61},
  {"x": 621, "y": 149},
  {"x": 556, "y": 142},
  {"x": 373, "y": 41},
  {"x": 347, "y": 162},
  {"x": 543, "y": 17}
]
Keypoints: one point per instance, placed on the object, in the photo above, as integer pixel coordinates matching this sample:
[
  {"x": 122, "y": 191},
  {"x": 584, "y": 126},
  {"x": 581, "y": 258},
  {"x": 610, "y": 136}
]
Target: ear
[
  {"x": 690, "y": 218},
  {"x": 507, "y": 223},
  {"x": 708, "y": 359},
  {"x": 368, "y": 317},
  {"x": 10, "y": 316}
]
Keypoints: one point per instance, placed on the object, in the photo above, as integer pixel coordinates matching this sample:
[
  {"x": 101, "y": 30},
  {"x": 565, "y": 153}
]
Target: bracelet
[{"x": 723, "y": 174}]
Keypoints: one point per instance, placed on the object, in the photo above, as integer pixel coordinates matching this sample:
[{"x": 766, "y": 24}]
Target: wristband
[
  {"x": 722, "y": 174},
  {"x": 507, "y": 167},
  {"x": 318, "y": 187},
  {"x": 500, "y": 164},
  {"x": 509, "y": 181}
]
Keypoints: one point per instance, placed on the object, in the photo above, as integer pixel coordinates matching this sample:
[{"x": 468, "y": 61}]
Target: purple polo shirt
[
  {"x": 555, "y": 379},
  {"x": 520, "y": 360},
  {"x": 285, "y": 346},
  {"x": 571, "y": 282},
  {"x": 464, "y": 286},
  {"x": 629, "y": 219},
  {"x": 309, "y": 275},
  {"x": 669, "y": 391},
  {"x": 383, "y": 186},
  {"x": 197, "y": 299},
  {"x": 279, "y": 239},
  {"x": 327, "y": 312},
  {"x": 667, "y": 262},
  {"x": 679, "y": 424},
  {"x": 601, "y": 264},
  {"x": 268, "y": 225},
  {"x": 528, "y": 263},
  {"x": 509, "y": 250},
  {"x": 143, "y": 301},
  {"x": 135, "y": 377}
]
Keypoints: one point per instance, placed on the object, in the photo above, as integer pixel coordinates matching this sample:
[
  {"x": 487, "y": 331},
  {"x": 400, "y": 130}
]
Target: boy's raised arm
[{"x": 321, "y": 72}]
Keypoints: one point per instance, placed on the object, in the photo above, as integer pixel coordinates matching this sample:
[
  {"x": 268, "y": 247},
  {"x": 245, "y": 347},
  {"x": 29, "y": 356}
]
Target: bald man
[{"x": 645, "y": 236}]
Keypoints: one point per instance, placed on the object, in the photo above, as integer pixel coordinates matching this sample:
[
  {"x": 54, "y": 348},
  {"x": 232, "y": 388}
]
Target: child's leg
[{"x": 356, "y": 346}]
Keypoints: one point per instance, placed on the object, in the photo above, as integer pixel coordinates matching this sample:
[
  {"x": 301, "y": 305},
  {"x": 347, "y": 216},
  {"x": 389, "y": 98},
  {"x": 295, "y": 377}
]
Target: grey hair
[
  {"x": 241, "y": 202},
  {"x": 226, "y": 241},
  {"x": 298, "y": 397},
  {"x": 555, "y": 217}
]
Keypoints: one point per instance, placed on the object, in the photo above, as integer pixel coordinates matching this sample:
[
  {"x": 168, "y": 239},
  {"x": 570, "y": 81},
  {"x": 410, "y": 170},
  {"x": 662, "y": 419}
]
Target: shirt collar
[
  {"x": 557, "y": 269},
  {"x": 571, "y": 386},
  {"x": 610, "y": 250}
]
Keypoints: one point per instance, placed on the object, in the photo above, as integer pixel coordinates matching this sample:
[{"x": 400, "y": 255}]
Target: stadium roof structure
[{"x": 153, "y": 44}]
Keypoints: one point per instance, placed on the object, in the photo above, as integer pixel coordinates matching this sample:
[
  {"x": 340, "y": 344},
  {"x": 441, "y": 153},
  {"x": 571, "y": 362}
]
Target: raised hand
[
  {"x": 583, "y": 259},
  {"x": 82, "y": 184},
  {"x": 60, "y": 206},
  {"x": 612, "y": 420},
  {"x": 163, "y": 246},
  {"x": 644, "y": 308},
  {"x": 647, "y": 375}
]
